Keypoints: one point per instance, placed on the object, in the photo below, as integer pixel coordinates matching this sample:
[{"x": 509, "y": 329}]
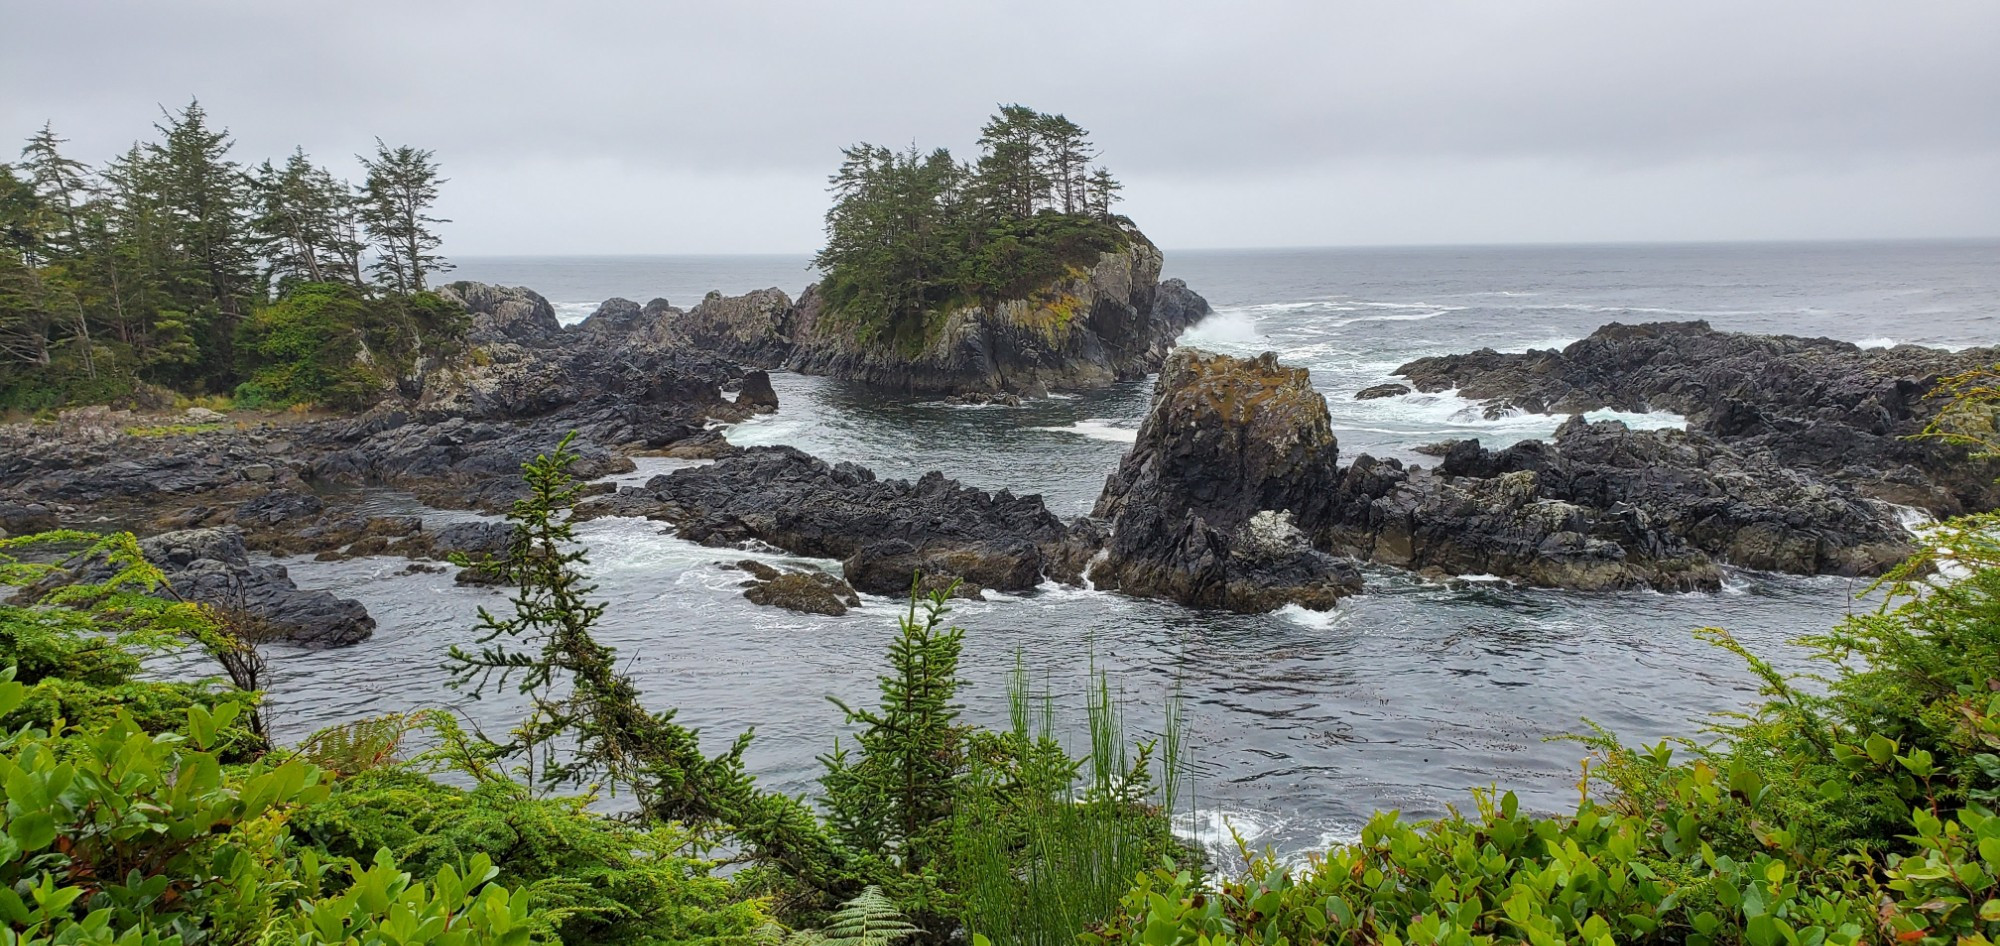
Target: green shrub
[{"x": 591, "y": 878}]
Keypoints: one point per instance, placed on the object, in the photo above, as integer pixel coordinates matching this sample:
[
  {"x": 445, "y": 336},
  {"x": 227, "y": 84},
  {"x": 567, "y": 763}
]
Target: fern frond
[{"x": 870, "y": 919}]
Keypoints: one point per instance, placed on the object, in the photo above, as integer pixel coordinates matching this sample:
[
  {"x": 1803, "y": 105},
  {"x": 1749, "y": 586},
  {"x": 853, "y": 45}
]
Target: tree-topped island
[{"x": 1009, "y": 274}]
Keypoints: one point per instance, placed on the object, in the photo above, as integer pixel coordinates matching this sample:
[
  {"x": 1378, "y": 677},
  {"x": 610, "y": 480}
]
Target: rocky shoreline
[{"x": 1234, "y": 496}]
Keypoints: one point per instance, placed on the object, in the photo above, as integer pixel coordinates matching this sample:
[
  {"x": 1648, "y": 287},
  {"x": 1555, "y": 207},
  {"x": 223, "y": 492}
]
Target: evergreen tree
[
  {"x": 910, "y": 234},
  {"x": 1065, "y": 152},
  {"x": 896, "y": 796},
  {"x": 62, "y": 188},
  {"x": 1103, "y": 190},
  {"x": 305, "y": 223},
  {"x": 402, "y": 186},
  {"x": 1013, "y": 172},
  {"x": 205, "y": 196}
]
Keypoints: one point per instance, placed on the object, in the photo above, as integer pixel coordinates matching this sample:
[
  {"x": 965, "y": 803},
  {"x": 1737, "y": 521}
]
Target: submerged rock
[
  {"x": 802, "y": 590},
  {"x": 1379, "y": 391}
]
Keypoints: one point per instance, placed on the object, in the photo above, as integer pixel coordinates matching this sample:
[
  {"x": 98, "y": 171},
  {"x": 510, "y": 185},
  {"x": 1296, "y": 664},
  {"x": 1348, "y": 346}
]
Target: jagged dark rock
[
  {"x": 1375, "y": 392},
  {"x": 1204, "y": 509},
  {"x": 213, "y": 567},
  {"x": 1843, "y": 412},
  {"x": 803, "y": 590},
  {"x": 1502, "y": 526},
  {"x": 786, "y": 498},
  {"x": 756, "y": 394},
  {"x": 754, "y": 329}
]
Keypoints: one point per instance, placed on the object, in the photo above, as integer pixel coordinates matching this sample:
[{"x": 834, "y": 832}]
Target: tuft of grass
[{"x": 175, "y": 430}]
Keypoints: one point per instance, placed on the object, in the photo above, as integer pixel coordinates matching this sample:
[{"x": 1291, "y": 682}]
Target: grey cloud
[{"x": 713, "y": 106}]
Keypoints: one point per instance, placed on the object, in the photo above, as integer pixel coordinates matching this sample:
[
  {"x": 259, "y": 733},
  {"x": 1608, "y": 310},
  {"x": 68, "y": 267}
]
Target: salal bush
[{"x": 120, "y": 835}]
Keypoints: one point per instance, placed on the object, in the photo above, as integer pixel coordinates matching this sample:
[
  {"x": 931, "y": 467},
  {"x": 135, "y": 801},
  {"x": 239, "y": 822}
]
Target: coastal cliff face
[
  {"x": 1087, "y": 330},
  {"x": 1113, "y": 321}
]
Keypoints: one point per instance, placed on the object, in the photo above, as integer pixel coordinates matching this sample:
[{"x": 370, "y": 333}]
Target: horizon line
[{"x": 1277, "y": 248}]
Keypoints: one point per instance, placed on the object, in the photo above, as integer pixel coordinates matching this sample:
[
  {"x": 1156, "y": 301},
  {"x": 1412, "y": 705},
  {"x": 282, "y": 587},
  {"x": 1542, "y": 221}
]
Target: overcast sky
[{"x": 671, "y": 127}]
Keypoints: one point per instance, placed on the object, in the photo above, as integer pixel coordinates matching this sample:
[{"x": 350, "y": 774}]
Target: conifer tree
[
  {"x": 205, "y": 196},
  {"x": 401, "y": 188},
  {"x": 62, "y": 187},
  {"x": 305, "y": 223},
  {"x": 896, "y": 795}
]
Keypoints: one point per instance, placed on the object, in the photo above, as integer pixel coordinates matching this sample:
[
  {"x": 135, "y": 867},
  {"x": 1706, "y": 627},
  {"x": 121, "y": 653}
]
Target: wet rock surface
[
  {"x": 212, "y": 566},
  {"x": 1596, "y": 507},
  {"x": 1204, "y": 509},
  {"x": 804, "y": 590},
  {"x": 1831, "y": 408},
  {"x": 882, "y": 529}
]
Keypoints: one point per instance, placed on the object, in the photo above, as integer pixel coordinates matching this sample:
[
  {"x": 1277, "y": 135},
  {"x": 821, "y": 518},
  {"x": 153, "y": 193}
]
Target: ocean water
[{"x": 1300, "y": 724}]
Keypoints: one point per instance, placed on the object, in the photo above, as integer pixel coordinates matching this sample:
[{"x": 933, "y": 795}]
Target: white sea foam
[
  {"x": 1445, "y": 413},
  {"x": 1097, "y": 430},
  {"x": 1309, "y": 618},
  {"x": 1225, "y": 330},
  {"x": 570, "y": 313}
]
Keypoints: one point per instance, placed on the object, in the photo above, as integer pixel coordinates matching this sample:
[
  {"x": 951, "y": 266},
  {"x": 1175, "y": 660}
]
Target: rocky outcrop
[
  {"x": 756, "y": 329},
  {"x": 1232, "y": 497},
  {"x": 1842, "y": 412},
  {"x": 802, "y": 590},
  {"x": 1691, "y": 486},
  {"x": 1112, "y": 322},
  {"x": 882, "y": 529},
  {"x": 1205, "y": 508},
  {"x": 212, "y": 566},
  {"x": 1503, "y": 526},
  {"x": 504, "y": 314},
  {"x": 94, "y": 462},
  {"x": 619, "y": 380}
]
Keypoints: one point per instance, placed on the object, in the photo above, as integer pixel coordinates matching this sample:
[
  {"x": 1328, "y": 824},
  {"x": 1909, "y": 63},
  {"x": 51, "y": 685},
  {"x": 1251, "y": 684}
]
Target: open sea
[{"x": 1299, "y": 724}]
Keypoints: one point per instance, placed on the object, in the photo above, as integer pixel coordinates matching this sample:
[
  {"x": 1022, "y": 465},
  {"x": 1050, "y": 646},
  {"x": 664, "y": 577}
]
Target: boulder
[
  {"x": 212, "y": 566},
  {"x": 1204, "y": 509},
  {"x": 805, "y": 591},
  {"x": 1378, "y": 391},
  {"x": 756, "y": 393},
  {"x": 24, "y": 518}
]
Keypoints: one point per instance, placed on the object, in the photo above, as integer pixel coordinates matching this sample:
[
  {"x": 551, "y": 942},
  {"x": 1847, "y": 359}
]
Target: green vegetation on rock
[{"x": 912, "y": 235}]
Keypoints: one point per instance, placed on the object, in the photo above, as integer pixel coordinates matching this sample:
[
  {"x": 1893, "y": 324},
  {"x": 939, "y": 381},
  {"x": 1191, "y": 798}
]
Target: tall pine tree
[{"x": 402, "y": 187}]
